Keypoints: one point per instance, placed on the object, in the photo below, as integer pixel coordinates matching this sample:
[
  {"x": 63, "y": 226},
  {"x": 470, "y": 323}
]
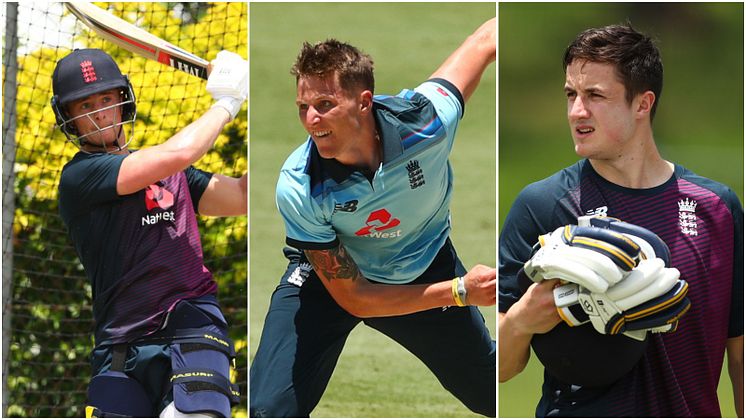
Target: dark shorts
[
  {"x": 156, "y": 360},
  {"x": 150, "y": 365},
  {"x": 305, "y": 331}
]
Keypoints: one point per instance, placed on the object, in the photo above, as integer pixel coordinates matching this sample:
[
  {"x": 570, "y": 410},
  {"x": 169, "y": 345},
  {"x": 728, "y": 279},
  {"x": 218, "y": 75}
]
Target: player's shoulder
[
  {"x": 298, "y": 159},
  {"x": 305, "y": 174},
  {"x": 535, "y": 209},
  {"x": 80, "y": 159},
  {"x": 412, "y": 102},
  {"x": 415, "y": 119},
  {"x": 441, "y": 90},
  {"x": 83, "y": 163},
  {"x": 723, "y": 191},
  {"x": 406, "y": 107},
  {"x": 556, "y": 185}
]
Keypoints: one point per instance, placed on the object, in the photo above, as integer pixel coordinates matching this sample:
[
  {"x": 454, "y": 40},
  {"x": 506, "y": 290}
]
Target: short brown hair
[
  {"x": 636, "y": 59},
  {"x": 353, "y": 67}
]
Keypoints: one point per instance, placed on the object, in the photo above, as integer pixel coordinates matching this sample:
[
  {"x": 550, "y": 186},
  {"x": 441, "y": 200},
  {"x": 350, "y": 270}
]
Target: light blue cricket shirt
[{"x": 394, "y": 224}]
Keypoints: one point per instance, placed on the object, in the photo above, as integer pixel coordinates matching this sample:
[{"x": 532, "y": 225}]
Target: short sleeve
[
  {"x": 198, "y": 181},
  {"x": 89, "y": 180},
  {"x": 528, "y": 218},
  {"x": 447, "y": 101},
  {"x": 306, "y": 227},
  {"x": 514, "y": 250}
]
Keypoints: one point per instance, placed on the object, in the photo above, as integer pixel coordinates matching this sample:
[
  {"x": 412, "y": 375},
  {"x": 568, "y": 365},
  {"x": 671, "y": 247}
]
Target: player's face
[
  {"x": 99, "y": 117},
  {"x": 602, "y": 122},
  {"x": 331, "y": 115}
]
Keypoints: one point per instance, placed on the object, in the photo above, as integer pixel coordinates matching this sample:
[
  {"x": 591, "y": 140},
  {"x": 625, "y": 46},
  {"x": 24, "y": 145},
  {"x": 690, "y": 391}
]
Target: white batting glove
[
  {"x": 651, "y": 298},
  {"x": 228, "y": 82},
  {"x": 587, "y": 256}
]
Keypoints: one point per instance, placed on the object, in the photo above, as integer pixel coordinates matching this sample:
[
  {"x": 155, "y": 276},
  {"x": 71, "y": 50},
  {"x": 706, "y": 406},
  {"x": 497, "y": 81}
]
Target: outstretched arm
[
  {"x": 225, "y": 196},
  {"x": 152, "y": 164},
  {"x": 362, "y": 298},
  {"x": 464, "y": 67}
]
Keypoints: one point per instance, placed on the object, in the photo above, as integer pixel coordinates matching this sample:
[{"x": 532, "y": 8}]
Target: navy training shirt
[
  {"x": 702, "y": 223},
  {"x": 141, "y": 252}
]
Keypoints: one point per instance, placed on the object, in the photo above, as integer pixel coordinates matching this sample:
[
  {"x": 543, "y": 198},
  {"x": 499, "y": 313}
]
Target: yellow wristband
[{"x": 454, "y": 292}]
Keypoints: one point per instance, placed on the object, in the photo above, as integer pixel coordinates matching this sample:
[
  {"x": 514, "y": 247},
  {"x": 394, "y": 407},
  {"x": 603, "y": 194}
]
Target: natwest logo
[
  {"x": 156, "y": 196},
  {"x": 378, "y": 222}
]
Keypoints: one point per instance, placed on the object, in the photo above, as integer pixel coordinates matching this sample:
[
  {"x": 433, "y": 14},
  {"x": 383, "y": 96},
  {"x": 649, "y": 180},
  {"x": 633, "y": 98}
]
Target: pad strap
[
  {"x": 217, "y": 341},
  {"x": 95, "y": 412},
  {"x": 118, "y": 357},
  {"x": 206, "y": 379}
]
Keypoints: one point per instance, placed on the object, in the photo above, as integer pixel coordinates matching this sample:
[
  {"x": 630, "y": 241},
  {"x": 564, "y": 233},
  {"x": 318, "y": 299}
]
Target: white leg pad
[{"x": 171, "y": 411}]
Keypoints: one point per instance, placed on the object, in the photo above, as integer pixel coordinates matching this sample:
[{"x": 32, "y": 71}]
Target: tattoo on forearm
[{"x": 334, "y": 264}]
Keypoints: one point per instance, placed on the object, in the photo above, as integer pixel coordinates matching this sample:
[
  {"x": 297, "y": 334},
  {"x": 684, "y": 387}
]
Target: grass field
[{"x": 375, "y": 377}]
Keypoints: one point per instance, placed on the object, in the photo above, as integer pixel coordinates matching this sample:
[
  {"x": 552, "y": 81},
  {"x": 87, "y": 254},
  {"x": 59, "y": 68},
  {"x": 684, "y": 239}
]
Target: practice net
[{"x": 47, "y": 318}]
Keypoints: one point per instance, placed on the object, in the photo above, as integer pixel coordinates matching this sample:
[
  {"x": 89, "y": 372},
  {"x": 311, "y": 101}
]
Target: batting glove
[
  {"x": 651, "y": 297},
  {"x": 228, "y": 81},
  {"x": 592, "y": 257}
]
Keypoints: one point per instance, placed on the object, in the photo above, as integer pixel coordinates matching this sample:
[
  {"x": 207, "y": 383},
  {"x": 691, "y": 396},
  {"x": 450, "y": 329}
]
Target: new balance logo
[
  {"x": 349, "y": 206},
  {"x": 89, "y": 73},
  {"x": 416, "y": 177},
  {"x": 600, "y": 211}
]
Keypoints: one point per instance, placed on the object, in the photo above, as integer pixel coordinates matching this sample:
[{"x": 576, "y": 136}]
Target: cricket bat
[{"x": 136, "y": 40}]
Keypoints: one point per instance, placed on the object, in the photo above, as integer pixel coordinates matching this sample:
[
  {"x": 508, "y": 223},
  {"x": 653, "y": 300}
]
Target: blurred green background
[
  {"x": 375, "y": 377},
  {"x": 699, "y": 122}
]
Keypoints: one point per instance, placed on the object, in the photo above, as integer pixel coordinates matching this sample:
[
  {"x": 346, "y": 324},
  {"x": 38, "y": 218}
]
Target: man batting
[
  {"x": 161, "y": 346},
  {"x": 365, "y": 202}
]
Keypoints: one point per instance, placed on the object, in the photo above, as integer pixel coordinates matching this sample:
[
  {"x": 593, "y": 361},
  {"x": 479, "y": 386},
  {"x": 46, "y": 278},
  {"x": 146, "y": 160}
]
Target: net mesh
[{"x": 50, "y": 327}]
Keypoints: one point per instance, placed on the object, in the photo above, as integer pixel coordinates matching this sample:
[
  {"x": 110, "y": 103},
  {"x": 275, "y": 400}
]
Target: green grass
[{"x": 375, "y": 377}]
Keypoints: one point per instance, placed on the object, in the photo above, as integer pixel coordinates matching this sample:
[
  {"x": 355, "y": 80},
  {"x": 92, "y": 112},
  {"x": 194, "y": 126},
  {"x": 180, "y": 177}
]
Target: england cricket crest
[{"x": 687, "y": 216}]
